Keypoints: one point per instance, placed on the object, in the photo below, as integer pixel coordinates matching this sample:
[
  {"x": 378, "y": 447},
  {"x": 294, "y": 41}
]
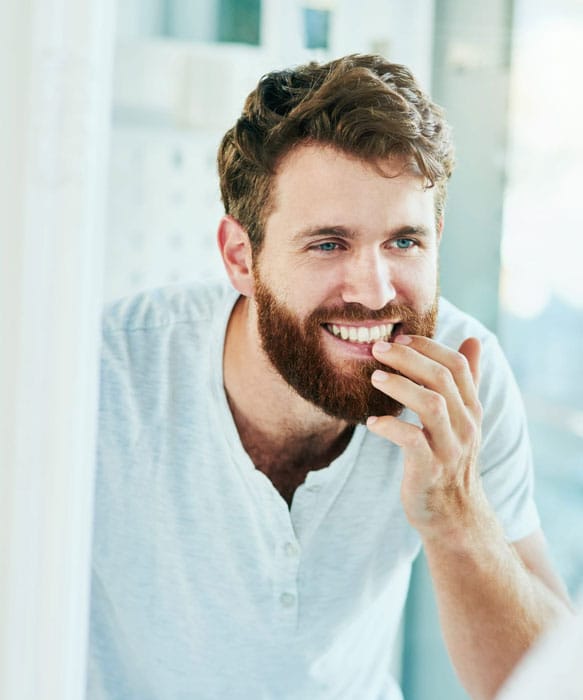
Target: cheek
[
  {"x": 307, "y": 289},
  {"x": 299, "y": 294},
  {"x": 419, "y": 285}
]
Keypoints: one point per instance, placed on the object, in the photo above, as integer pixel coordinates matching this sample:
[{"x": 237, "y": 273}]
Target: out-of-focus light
[
  {"x": 522, "y": 294},
  {"x": 542, "y": 246}
]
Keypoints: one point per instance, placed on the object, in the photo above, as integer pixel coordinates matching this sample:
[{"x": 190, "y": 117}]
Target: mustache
[{"x": 354, "y": 312}]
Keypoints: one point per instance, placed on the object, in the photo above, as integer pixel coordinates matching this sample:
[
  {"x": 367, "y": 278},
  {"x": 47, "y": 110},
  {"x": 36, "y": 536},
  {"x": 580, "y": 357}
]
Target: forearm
[{"x": 491, "y": 607}]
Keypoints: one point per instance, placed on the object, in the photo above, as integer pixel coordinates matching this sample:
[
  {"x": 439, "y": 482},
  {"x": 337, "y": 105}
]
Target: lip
[{"x": 364, "y": 324}]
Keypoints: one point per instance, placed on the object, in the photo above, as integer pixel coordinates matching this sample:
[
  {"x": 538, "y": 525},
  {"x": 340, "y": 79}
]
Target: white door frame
[{"x": 55, "y": 86}]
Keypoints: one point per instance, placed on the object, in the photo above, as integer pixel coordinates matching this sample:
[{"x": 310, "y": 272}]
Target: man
[{"x": 273, "y": 456}]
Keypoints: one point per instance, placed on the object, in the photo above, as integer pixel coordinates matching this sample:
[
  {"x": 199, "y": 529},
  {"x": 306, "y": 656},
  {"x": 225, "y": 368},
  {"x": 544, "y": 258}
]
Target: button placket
[
  {"x": 303, "y": 510},
  {"x": 286, "y": 593}
]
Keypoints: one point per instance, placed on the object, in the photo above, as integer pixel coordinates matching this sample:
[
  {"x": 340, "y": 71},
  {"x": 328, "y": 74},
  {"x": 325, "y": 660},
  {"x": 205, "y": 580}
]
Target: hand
[{"x": 441, "y": 489}]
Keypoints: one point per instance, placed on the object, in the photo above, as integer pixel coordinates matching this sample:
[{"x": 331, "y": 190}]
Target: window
[{"x": 541, "y": 319}]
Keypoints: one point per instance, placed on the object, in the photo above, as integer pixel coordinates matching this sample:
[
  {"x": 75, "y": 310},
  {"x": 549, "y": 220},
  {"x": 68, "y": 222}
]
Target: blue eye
[
  {"x": 405, "y": 243},
  {"x": 327, "y": 246}
]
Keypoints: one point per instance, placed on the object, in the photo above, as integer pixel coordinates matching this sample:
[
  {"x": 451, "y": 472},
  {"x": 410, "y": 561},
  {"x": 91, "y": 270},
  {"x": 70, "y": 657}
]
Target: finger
[
  {"x": 428, "y": 372},
  {"x": 456, "y": 362},
  {"x": 407, "y": 436},
  {"x": 471, "y": 349},
  {"x": 429, "y": 405}
]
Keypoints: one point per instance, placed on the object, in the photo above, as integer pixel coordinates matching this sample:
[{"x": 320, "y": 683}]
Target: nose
[{"x": 368, "y": 281}]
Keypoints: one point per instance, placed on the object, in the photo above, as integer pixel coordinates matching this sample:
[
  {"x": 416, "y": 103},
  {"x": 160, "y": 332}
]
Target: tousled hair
[{"x": 361, "y": 105}]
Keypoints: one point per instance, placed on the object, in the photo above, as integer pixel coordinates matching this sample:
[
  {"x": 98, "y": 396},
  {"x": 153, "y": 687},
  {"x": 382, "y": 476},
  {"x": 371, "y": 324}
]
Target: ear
[{"x": 235, "y": 250}]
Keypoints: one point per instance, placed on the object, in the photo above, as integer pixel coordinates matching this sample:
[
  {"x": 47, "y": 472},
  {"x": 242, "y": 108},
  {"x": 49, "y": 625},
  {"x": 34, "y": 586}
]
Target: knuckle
[
  {"x": 476, "y": 409},
  {"x": 459, "y": 362},
  {"x": 435, "y": 403},
  {"x": 415, "y": 439},
  {"x": 441, "y": 375},
  {"x": 470, "y": 430}
]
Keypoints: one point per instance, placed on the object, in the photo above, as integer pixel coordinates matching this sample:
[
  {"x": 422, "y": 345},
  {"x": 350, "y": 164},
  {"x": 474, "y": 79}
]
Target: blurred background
[{"x": 166, "y": 78}]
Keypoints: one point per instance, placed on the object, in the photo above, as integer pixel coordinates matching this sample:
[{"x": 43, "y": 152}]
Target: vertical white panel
[{"x": 55, "y": 69}]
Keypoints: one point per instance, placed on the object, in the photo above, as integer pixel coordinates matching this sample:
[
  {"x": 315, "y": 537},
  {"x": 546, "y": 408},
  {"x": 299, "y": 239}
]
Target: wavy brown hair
[{"x": 360, "y": 104}]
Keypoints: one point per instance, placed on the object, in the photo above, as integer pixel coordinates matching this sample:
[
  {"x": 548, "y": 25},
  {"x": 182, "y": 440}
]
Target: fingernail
[
  {"x": 382, "y": 346},
  {"x": 371, "y": 420},
  {"x": 379, "y": 376},
  {"x": 403, "y": 339}
]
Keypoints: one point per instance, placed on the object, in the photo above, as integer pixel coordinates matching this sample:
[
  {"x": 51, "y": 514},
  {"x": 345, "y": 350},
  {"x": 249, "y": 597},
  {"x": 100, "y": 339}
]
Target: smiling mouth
[{"x": 363, "y": 334}]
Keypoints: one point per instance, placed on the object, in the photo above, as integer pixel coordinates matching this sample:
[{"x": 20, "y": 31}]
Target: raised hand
[{"x": 441, "y": 488}]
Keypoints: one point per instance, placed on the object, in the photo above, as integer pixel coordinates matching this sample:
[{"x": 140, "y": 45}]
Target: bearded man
[{"x": 273, "y": 454}]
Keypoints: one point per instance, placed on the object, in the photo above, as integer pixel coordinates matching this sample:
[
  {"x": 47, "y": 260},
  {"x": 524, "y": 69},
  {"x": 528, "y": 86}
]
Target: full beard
[{"x": 295, "y": 349}]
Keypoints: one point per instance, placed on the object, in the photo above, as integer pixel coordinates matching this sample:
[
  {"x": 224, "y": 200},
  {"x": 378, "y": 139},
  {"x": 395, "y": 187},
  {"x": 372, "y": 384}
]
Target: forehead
[{"x": 320, "y": 184}]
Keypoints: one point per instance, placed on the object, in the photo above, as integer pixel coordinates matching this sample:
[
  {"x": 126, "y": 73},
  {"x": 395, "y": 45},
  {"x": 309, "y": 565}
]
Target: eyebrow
[{"x": 350, "y": 234}]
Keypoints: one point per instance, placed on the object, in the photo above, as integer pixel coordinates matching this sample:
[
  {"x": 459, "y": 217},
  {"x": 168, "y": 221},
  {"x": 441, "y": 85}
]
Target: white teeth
[{"x": 362, "y": 334}]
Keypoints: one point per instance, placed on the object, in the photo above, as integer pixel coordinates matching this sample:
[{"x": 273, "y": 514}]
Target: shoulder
[
  {"x": 148, "y": 332},
  {"x": 159, "y": 347},
  {"x": 165, "y": 307},
  {"x": 455, "y": 325}
]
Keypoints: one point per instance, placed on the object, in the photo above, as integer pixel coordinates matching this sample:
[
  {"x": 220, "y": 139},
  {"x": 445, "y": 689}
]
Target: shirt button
[
  {"x": 314, "y": 488},
  {"x": 290, "y": 549},
  {"x": 288, "y": 600}
]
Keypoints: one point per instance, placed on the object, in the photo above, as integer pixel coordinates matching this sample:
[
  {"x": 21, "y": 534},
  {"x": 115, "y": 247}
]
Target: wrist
[{"x": 467, "y": 528}]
